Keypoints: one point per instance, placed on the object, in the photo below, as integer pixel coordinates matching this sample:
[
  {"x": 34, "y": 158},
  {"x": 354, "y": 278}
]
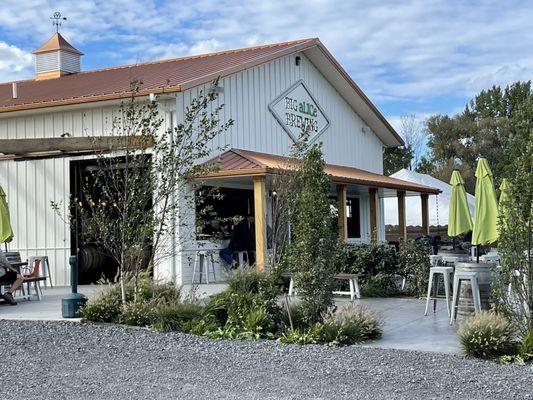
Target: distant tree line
[{"x": 488, "y": 126}]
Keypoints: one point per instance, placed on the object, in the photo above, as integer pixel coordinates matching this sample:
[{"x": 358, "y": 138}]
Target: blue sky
[{"x": 410, "y": 57}]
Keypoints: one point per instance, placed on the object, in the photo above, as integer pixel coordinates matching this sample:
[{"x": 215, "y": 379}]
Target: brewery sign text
[{"x": 296, "y": 110}]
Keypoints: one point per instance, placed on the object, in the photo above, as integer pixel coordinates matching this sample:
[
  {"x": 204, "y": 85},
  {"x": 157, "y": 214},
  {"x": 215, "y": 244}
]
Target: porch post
[
  {"x": 424, "y": 197},
  {"x": 260, "y": 221},
  {"x": 402, "y": 229},
  {"x": 373, "y": 213},
  {"x": 341, "y": 199}
]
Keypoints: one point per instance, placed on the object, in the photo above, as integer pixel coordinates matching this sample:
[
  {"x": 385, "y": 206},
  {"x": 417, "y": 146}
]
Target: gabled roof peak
[{"x": 55, "y": 43}]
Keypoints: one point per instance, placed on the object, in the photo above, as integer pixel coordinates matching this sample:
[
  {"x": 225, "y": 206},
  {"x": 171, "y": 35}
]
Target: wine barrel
[{"x": 485, "y": 276}]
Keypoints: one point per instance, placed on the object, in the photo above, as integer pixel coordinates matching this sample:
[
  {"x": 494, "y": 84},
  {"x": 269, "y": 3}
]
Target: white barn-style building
[{"x": 44, "y": 121}]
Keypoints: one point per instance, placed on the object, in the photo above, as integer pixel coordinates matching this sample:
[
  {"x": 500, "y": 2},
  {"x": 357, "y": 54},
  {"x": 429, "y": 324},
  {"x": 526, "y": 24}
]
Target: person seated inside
[
  {"x": 240, "y": 239},
  {"x": 9, "y": 276}
]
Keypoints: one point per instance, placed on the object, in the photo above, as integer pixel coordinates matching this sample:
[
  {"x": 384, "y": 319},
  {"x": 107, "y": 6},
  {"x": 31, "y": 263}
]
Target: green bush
[
  {"x": 350, "y": 324},
  {"x": 377, "y": 266},
  {"x": 525, "y": 348},
  {"x": 174, "y": 316},
  {"x": 487, "y": 335},
  {"x": 312, "y": 335},
  {"x": 199, "y": 326},
  {"x": 413, "y": 263},
  {"x": 299, "y": 322},
  {"x": 104, "y": 307},
  {"x": 138, "y": 314}
]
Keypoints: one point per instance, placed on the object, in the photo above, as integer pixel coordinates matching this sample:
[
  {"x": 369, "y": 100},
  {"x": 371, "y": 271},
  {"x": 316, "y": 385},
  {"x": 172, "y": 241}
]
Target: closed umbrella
[
  {"x": 6, "y": 232},
  {"x": 504, "y": 198},
  {"x": 459, "y": 220},
  {"x": 486, "y": 211}
]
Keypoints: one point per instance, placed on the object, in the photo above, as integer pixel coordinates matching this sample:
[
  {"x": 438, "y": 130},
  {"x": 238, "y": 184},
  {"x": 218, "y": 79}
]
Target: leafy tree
[
  {"x": 313, "y": 253},
  {"x": 396, "y": 158},
  {"x": 482, "y": 129},
  {"x": 516, "y": 225}
]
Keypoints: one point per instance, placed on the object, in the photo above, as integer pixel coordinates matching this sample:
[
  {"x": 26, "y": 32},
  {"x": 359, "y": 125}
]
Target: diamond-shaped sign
[{"x": 296, "y": 109}]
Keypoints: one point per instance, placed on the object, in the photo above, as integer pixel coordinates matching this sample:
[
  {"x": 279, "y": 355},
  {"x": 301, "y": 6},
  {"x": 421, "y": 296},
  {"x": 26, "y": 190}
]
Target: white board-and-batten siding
[{"x": 32, "y": 185}]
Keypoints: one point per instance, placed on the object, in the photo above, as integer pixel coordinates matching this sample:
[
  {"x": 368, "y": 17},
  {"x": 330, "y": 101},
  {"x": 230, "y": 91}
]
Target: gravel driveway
[{"x": 67, "y": 360}]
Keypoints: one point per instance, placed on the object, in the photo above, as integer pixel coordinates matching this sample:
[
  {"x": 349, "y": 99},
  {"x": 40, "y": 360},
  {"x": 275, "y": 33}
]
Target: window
[
  {"x": 216, "y": 207},
  {"x": 353, "y": 220}
]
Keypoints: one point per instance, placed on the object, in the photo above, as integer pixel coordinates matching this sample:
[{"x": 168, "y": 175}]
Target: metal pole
[{"x": 73, "y": 261}]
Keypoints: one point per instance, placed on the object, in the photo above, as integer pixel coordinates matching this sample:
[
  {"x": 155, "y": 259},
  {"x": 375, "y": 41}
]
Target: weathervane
[{"x": 56, "y": 20}]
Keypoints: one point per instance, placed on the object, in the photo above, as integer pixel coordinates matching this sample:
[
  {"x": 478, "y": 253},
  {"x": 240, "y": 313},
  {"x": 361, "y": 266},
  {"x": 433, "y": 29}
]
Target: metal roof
[{"x": 237, "y": 162}]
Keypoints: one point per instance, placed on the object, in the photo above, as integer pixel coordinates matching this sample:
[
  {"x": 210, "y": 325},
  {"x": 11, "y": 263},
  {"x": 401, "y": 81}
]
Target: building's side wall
[{"x": 32, "y": 185}]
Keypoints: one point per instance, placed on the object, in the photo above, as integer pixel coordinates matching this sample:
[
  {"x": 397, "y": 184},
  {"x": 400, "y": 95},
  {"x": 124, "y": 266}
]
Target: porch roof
[{"x": 242, "y": 163}]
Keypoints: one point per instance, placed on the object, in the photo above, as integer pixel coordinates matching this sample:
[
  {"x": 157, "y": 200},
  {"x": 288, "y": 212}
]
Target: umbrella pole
[
  {"x": 477, "y": 253},
  {"x": 5, "y": 244}
]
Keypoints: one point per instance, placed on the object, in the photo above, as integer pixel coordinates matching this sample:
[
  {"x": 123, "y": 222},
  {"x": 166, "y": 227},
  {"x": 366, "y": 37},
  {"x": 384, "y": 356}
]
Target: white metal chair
[
  {"x": 433, "y": 284},
  {"x": 468, "y": 276},
  {"x": 241, "y": 256},
  {"x": 202, "y": 260}
]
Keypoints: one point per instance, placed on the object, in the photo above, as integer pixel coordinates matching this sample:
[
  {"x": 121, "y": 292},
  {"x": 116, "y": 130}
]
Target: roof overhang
[{"x": 236, "y": 163}]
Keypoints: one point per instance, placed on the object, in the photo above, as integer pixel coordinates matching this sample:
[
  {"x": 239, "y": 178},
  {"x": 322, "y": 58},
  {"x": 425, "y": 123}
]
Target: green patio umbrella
[
  {"x": 6, "y": 232},
  {"x": 504, "y": 197},
  {"x": 459, "y": 220},
  {"x": 486, "y": 214}
]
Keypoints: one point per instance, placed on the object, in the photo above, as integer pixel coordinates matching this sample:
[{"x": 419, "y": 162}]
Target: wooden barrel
[{"x": 485, "y": 276}]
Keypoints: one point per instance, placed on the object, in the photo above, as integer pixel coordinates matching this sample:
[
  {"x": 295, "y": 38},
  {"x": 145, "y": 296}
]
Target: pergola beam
[
  {"x": 260, "y": 221},
  {"x": 373, "y": 193},
  {"x": 424, "y": 198},
  {"x": 53, "y": 147}
]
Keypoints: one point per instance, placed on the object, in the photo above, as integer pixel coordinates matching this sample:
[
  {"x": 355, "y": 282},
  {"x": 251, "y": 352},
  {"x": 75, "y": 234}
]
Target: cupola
[{"x": 56, "y": 58}]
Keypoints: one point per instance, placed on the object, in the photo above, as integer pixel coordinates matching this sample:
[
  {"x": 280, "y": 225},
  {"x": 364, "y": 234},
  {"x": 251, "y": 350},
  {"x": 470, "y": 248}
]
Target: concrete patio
[{"x": 405, "y": 326}]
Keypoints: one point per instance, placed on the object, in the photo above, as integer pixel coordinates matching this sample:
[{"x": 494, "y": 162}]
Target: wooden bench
[{"x": 353, "y": 280}]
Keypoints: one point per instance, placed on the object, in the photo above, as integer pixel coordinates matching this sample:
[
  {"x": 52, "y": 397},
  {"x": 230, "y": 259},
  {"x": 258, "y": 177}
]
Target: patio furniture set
[
  {"x": 35, "y": 270},
  {"x": 466, "y": 284}
]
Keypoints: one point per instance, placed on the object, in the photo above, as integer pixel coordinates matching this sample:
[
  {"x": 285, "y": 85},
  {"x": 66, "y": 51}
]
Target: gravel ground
[{"x": 67, "y": 360}]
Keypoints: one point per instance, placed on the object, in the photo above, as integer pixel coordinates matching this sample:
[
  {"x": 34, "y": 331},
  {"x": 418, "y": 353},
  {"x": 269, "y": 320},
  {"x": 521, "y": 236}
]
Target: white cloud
[
  {"x": 14, "y": 63},
  {"x": 409, "y": 51}
]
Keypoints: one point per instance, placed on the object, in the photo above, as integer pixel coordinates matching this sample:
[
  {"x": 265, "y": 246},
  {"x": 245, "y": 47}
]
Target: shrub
[
  {"x": 173, "y": 316},
  {"x": 350, "y": 324},
  {"x": 138, "y": 314},
  {"x": 413, "y": 263},
  {"x": 104, "y": 307},
  {"x": 303, "y": 336},
  {"x": 377, "y": 266},
  {"x": 199, "y": 326},
  {"x": 525, "y": 348},
  {"x": 487, "y": 335},
  {"x": 299, "y": 321}
]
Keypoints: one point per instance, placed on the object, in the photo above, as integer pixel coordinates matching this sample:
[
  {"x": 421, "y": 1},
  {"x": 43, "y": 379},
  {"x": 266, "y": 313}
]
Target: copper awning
[{"x": 242, "y": 163}]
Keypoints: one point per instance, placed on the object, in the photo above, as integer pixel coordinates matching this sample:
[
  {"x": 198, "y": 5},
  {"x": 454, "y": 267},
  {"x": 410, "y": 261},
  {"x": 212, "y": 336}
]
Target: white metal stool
[
  {"x": 241, "y": 255},
  {"x": 465, "y": 276},
  {"x": 433, "y": 283},
  {"x": 201, "y": 262},
  {"x": 45, "y": 267}
]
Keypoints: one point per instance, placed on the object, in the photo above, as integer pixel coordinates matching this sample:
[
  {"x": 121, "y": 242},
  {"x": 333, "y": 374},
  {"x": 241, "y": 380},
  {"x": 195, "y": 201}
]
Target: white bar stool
[
  {"x": 465, "y": 276},
  {"x": 45, "y": 267},
  {"x": 241, "y": 255},
  {"x": 201, "y": 262},
  {"x": 434, "y": 273}
]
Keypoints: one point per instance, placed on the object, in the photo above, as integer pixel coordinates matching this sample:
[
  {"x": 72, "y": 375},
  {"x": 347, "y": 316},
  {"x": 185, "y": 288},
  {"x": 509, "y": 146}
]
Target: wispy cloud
[{"x": 412, "y": 56}]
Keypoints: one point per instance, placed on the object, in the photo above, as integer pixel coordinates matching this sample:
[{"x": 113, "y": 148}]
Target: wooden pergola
[{"x": 43, "y": 148}]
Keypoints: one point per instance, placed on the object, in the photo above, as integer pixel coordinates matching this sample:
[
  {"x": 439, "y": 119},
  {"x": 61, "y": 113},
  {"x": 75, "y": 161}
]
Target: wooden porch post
[
  {"x": 402, "y": 228},
  {"x": 373, "y": 213},
  {"x": 341, "y": 199},
  {"x": 424, "y": 197},
  {"x": 260, "y": 221}
]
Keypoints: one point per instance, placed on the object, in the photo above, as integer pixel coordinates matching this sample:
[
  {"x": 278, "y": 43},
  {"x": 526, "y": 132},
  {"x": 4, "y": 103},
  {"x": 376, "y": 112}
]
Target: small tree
[
  {"x": 313, "y": 252},
  {"x": 516, "y": 231},
  {"x": 134, "y": 199}
]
